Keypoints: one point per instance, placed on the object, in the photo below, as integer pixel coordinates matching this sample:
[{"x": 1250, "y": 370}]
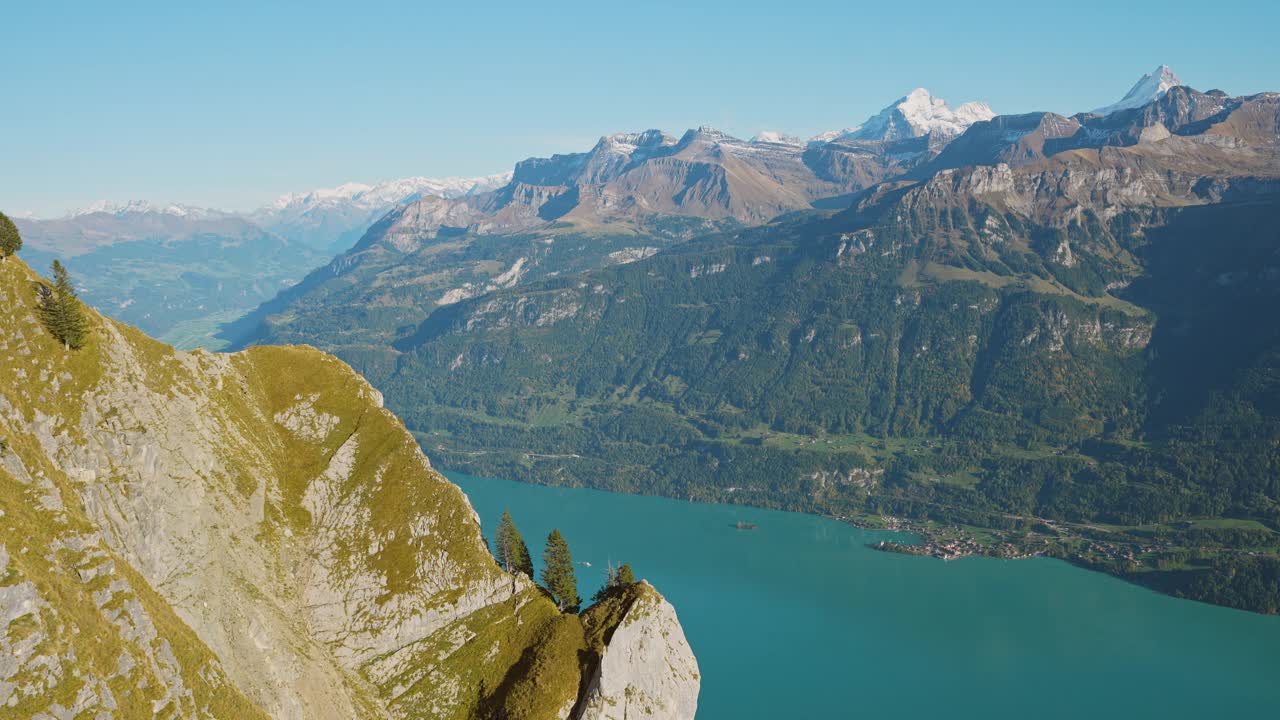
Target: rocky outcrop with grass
[{"x": 247, "y": 535}]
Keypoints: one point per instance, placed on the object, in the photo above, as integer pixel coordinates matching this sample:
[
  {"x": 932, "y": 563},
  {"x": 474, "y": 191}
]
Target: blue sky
[{"x": 230, "y": 105}]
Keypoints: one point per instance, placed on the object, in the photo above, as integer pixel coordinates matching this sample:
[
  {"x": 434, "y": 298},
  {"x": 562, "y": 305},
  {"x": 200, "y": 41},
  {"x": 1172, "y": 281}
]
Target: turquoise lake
[{"x": 799, "y": 619}]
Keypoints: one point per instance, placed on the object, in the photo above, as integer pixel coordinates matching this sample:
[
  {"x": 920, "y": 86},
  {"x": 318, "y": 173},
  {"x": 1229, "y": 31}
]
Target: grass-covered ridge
[{"x": 282, "y": 533}]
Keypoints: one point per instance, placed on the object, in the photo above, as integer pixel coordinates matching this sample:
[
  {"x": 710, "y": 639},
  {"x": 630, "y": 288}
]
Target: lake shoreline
[
  {"x": 1167, "y": 568},
  {"x": 840, "y": 610}
]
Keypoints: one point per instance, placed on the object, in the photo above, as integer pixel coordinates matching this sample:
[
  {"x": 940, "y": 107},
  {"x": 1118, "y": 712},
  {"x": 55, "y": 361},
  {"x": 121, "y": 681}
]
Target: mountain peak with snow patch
[
  {"x": 773, "y": 137},
  {"x": 916, "y": 114},
  {"x": 141, "y": 206},
  {"x": 1149, "y": 88},
  {"x": 385, "y": 194},
  {"x": 332, "y": 218}
]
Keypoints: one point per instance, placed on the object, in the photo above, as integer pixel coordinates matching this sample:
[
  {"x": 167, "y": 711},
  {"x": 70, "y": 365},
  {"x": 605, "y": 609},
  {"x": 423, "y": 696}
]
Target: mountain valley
[{"x": 1001, "y": 334}]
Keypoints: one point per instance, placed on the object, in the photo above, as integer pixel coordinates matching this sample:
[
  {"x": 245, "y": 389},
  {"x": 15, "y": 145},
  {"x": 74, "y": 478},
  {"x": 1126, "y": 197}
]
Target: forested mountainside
[
  {"x": 1072, "y": 352},
  {"x": 253, "y": 535}
]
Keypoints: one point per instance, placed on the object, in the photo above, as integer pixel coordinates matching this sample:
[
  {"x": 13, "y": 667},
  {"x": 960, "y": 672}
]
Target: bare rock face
[
  {"x": 647, "y": 670},
  {"x": 247, "y": 535}
]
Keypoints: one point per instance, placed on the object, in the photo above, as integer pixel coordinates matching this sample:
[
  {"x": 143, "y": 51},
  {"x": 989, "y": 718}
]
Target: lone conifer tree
[
  {"x": 505, "y": 526},
  {"x": 10, "y": 240},
  {"x": 557, "y": 572},
  {"x": 614, "y": 577},
  {"x": 511, "y": 552},
  {"x": 625, "y": 576},
  {"x": 60, "y": 309}
]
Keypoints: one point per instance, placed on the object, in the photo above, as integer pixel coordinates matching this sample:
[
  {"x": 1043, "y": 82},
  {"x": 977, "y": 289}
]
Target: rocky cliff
[{"x": 253, "y": 535}]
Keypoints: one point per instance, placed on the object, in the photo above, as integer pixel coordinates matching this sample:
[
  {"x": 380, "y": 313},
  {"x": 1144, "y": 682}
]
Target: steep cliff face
[
  {"x": 248, "y": 535},
  {"x": 647, "y": 669}
]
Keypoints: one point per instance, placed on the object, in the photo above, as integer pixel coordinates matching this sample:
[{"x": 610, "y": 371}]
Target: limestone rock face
[
  {"x": 240, "y": 536},
  {"x": 647, "y": 670}
]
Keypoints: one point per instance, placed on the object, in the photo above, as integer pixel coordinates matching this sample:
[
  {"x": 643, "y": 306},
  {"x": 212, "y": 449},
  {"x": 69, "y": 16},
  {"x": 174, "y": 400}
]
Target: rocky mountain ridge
[
  {"x": 662, "y": 190},
  {"x": 332, "y": 219},
  {"x": 253, "y": 535},
  {"x": 705, "y": 173}
]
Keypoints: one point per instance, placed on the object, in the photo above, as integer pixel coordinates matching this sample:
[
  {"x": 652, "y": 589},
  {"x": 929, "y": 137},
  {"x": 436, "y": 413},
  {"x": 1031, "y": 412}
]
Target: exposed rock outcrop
[{"x": 647, "y": 670}]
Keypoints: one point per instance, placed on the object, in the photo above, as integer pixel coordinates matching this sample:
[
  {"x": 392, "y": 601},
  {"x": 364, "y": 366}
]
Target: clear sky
[{"x": 232, "y": 104}]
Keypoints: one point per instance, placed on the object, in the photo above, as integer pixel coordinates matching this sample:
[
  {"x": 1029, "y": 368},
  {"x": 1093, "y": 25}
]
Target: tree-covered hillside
[{"x": 934, "y": 358}]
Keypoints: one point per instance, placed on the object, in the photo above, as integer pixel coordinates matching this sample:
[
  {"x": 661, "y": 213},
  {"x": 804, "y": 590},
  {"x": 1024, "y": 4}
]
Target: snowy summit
[
  {"x": 773, "y": 137},
  {"x": 141, "y": 206},
  {"x": 915, "y": 115},
  {"x": 383, "y": 194},
  {"x": 1151, "y": 87}
]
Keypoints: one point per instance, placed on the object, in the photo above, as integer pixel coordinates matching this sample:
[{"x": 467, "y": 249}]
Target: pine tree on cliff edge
[
  {"x": 625, "y": 576},
  {"x": 557, "y": 573},
  {"x": 619, "y": 577},
  {"x": 511, "y": 552}
]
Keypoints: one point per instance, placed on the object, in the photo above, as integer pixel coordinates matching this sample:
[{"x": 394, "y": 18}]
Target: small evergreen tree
[
  {"x": 557, "y": 573},
  {"x": 10, "y": 239},
  {"x": 60, "y": 309},
  {"x": 625, "y": 576},
  {"x": 511, "y": 552},
  {"x": 505, "y": 525},
  {"x": 610, "y": 580},
  {"x": 614, "y": 577}
]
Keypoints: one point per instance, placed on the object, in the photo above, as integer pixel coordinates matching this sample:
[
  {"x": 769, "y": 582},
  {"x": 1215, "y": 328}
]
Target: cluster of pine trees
[
  {"x": 60, "y": 309},
  {"x": 558, "y": 575},
  {"x": 58, "y": 304}
]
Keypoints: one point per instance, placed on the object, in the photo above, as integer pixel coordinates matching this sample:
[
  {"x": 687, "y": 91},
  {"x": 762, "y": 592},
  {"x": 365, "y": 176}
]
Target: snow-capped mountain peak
[
  {"x": 1150, "y": 87},
  {"x": 390, "y": 192},
  {"x": 141, "y": 206},
  {"x": 829, "y": 135},
  {"x": 916, "y": 114},
  {"x": 627, "y": 143},
  {"x": 332, "y": 218},
  {"x": 773, "y": 137}
]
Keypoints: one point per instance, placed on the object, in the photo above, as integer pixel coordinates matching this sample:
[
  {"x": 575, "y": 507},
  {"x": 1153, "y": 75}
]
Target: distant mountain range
[
  {"x": 634, "y": 193},
  {"x": 629, "y": 179},
  {"x": 332, "y": 219},
  {"x": 648, "y": 185},
  {"x": 327, "y": 219},
  {"x": 178, "y": 271}
]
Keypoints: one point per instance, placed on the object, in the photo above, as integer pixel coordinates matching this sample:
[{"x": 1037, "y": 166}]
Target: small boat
[
  {"x": 744, "y": 525},
  {"x": 584, "y": 563}
]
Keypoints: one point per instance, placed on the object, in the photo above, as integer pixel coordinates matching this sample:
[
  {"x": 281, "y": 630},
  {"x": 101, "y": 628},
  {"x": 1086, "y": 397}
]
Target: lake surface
[{"x": 799, "y": 619}]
